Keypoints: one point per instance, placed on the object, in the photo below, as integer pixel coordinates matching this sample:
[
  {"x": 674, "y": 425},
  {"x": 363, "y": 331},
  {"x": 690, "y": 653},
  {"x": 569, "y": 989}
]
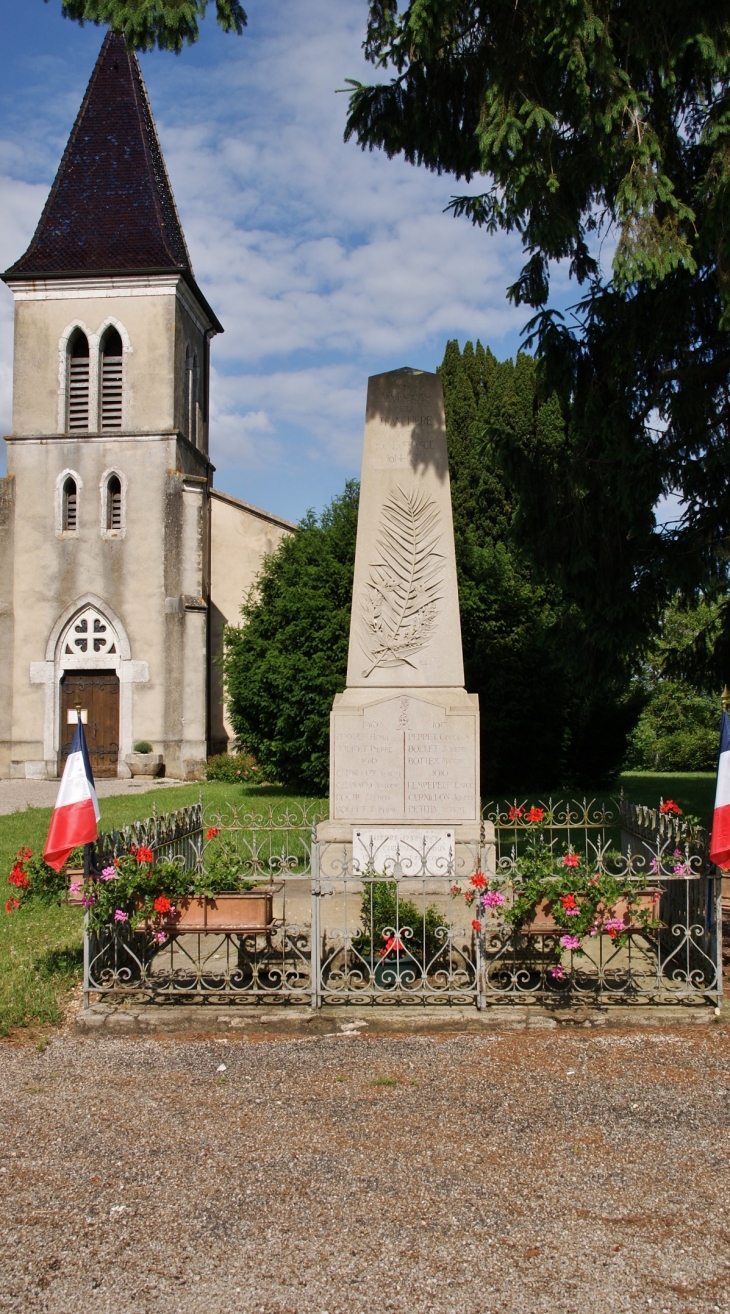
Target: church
[{"x": 120, "y": 563}]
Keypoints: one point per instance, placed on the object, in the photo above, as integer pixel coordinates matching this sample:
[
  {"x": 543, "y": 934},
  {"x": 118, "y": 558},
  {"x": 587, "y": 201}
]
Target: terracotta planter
[
  {"x": 252, "y": 911},
  {"x": 544, "y": 923},
  {"x": 74, "y": 874}
]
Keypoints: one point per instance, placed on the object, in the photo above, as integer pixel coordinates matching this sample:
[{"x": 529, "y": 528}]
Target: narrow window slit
[
  {"x": 113, "y": 503},
  {"x": 70, "y": 506}
]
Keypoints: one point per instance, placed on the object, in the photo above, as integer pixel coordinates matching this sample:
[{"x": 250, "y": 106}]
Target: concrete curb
[{"x": 259, "y": 1023}]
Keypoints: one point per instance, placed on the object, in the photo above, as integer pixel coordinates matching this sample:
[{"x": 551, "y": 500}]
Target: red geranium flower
[
  {"x": 23, "y": 854},
  {"x": 571, "y": 860},
  {"x": 477, "y": 925},
  {"x": 670, "y": 806},
  {"x": 162, "y": 904},
  {"x": 568, "y": 901},
  {"x": 144, "y": 855},
  {"x": 536, "y": 814},
  {"x": 18, "y": 877},
  {"x": 11, "y": 905},
  {"x": 211, "y": 832},
  {"x": 514, "y": 814},
  {"x": 478, "y": 880}
]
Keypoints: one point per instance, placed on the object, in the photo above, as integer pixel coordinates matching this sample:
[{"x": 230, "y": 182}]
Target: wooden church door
[{"x": 98, "y": 694}]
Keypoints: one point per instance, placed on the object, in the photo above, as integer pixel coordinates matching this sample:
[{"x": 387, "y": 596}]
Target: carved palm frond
[{"x": 400, "y": 603}]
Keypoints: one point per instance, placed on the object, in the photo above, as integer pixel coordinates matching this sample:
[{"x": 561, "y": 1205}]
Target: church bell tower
[{"x": 105, "y": 511}]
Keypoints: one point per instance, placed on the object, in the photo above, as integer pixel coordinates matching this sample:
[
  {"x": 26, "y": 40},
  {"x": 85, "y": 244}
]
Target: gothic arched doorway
[{"x": 90, "y": 658}]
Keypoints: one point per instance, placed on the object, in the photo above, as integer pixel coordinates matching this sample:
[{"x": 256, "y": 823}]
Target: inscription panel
[
  {"x": 417, "y": 851},
  {"x": 404, "y": 760}
]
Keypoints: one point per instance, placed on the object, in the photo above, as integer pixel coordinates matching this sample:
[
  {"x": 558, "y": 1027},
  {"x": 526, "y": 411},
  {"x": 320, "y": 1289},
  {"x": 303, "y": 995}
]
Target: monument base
[{"x": 405, "y": 757}]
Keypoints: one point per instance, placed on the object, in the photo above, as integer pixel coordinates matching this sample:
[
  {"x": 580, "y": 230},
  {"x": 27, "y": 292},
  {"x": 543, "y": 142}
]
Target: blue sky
[{"x": 325, "y": 264}]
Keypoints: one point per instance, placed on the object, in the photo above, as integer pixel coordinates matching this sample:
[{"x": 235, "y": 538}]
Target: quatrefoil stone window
[{"x": 90, "y": 635}]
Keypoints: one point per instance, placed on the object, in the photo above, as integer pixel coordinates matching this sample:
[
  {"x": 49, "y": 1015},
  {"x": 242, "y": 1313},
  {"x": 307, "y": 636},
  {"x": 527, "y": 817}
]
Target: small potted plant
[{"x": 143, "y": 761}]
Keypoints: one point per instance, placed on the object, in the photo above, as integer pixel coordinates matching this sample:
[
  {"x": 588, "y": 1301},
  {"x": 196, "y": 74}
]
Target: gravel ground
[{"x": 510, "y": 1172}]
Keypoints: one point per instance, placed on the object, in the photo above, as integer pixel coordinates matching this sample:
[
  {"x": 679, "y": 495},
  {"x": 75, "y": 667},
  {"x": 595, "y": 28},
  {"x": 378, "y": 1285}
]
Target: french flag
[
  {"x": 720, "y": 842},
  {"x": 76, "y": 813}
]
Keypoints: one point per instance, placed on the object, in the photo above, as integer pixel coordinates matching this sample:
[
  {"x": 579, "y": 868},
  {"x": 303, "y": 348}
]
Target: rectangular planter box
[
  {"x": 252, "y": 911},
  {"x": 543, "y": 923}
]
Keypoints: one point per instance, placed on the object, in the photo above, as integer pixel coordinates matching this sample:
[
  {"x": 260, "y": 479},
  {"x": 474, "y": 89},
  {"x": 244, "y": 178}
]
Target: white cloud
[{"x": 324, "y": 263}]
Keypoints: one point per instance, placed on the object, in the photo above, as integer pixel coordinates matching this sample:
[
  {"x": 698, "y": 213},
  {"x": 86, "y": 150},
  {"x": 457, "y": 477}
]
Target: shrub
[
  {"x": 31, "y": 878},
  {"x": 677, "y": 731},
  {"x": 232, "y": 768},
  {"x": 143, "y": 747},
  {"x": 383, "y": 909}
]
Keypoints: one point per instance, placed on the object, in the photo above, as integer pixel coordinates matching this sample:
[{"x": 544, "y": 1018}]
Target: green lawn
[
  {"x": 40, "y": 947},
  {"x": 694, "y": 791}
]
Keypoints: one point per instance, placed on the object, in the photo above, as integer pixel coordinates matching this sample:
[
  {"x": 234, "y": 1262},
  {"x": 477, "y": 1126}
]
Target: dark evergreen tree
[
  {"x": 146, "y": 24},
  {"x": 556, "y": 705}
]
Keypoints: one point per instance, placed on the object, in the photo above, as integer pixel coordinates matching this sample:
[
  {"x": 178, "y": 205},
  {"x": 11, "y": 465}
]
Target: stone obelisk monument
[{"x": 404, "y": 736}]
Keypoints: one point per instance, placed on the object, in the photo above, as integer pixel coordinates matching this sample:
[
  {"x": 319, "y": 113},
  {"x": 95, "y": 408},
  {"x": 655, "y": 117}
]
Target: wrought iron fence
[
  {"x": 171, "y": 835},
  {"x": 394, "y": 927}
]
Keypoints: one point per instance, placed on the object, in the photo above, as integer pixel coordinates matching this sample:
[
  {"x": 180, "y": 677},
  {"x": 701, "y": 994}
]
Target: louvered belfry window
[
  {"x": 78, "y": 383},
  {"x": 70, "y": 505},
  {"x": 190, "y": 400},
  {"x": 114, "y": 503},
  {"x": 111, "y": 380}
]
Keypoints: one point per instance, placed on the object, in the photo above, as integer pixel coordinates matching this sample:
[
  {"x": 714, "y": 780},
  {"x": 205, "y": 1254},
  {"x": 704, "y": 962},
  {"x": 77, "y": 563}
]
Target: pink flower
[
  {"x": 120, "y": 916},
  {"x": 159, "y": 937},
  {"x": 514, "y": 814},
  {"x": 493, "y": 899},
  {"x": 614, "y": 926},
  {"x": 572, "y": 912},
  {"x": 570, "y": 941},
  {"x": 109, "y": 874},
  {"x": 593, "y": 930},
  {"x": 74, "y": 889},
  {"x": 571, "y": 860},
  {"x": 557, "y": 972},
  {"x": 88, "y": 900}
]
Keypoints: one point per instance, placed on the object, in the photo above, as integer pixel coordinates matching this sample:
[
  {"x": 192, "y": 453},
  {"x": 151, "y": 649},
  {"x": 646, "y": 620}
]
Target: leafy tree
[
  {"x": 591, "y": 120},
  {"x": 679, "y": 726},
  {"x": 285, "y": 664},
  {"x": 146, "y": 24}
]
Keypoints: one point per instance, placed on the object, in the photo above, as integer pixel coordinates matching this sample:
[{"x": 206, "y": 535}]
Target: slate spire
[{"x": 111, "y": 209}]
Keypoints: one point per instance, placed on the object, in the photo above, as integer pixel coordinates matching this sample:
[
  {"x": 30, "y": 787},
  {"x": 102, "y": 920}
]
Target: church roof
[{"x": 111, "y": 209}]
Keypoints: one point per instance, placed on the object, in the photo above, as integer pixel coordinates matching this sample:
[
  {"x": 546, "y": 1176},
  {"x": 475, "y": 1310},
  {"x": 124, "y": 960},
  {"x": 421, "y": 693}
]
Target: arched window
[
  {"x": 113, "y": 503},
  {"x": 70, "y": 506},
  {"x": 190, "y": 400},
  {"x": 78, "y": 383},
  {"x": 111, "y": 380}
]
